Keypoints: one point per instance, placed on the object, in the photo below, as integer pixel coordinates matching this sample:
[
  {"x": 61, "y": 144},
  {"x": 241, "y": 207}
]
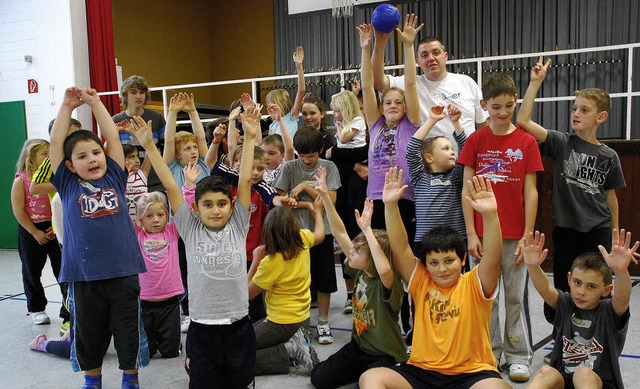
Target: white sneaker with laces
[
  {"x": 184, "y": 326},
  {"x": 302, "y": 354},
  {"x": 519, "y": 372},
  {"x": 40, "y": 318},
  {"x": 324, "y": 334}
]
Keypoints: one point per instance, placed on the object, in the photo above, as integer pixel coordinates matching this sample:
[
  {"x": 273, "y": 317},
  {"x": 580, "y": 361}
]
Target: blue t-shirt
[{"x": 99, "y": 241}]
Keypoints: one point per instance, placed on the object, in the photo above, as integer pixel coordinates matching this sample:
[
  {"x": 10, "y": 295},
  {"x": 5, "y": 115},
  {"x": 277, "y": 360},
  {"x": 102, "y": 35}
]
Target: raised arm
[
  {"x": 379, "y": 257},
  {"x": 298, "y": 57},
  {"x": 287, "y": 140},
  {"x": 435, "y": 115},
  {"x": 483, "y": 200},
  {"x": 338, "y": 229},
  {"x": 234, "y": 134},
  {"x": 455, "y": 113},
  {"x": 618, "y": 260},
  {"x": 403, "y": 257},
  {"x": 176, "y": 104},
  {"x": 408, "y": 36},
  {"x": 318, "y": 221},
  {"x": 71, "y": 100},
  {"x": 526, "y": 108},
  {"x": 196, "y": 125},
  {"x": 218, "y": 136},
  {"x": 251, "y": 126},
  {"x": 371, "y": 111},
  {"x": 473, "y": 241},
  {"x": 142, "y": 131},
  {"x": 380, "y": 81},
  {"x": 534, "y": 255},
  {"x": 108, "y": 128}
]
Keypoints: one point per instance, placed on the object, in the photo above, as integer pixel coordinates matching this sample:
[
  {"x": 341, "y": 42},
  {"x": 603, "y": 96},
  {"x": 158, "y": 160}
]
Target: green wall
[{"x": 13, "y": 127}]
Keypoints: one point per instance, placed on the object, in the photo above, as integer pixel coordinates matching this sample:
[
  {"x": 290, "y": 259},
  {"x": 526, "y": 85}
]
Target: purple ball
[{"x": 385, "y": 18}]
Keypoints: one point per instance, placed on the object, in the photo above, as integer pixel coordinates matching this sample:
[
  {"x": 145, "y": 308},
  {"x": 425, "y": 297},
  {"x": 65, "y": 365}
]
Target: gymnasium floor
[{"x": 23, "y": 368}]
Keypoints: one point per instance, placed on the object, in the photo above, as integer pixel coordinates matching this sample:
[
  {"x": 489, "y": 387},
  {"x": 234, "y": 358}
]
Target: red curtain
[{"x": 102, "y": 57}]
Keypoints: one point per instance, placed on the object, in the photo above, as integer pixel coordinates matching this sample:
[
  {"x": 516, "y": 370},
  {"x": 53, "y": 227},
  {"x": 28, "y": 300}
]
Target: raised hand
[
  {"x": 621, "y": 253},
  {"x": 298, "y": 55},
  {"x": 482, "y": 198},
  {"x": 246, "y": 101},
  {"x": 189, "y": 103},
  {"x": 89, "y": 96},
  {"x": 454, "y": 112},
  {"x": 235, "y": 113},
  {"x": 409, "y": 32},
  {"x": 72, "y": 97},
  {"x": 219, "y": 132},
  {"x": 533, "y": 250},
  {"x": 437, "y": 113},
  {"x": 141, "y": 131},
  {"x": 274, "y": 111},
  {"x": 355, "y": 86},
  {"x": 364, "y": 219},
  {"x": 321, "y": 178},
  {"x": 251, "y": 120},
  {"x": 539, "y": 71},
  {"x": 191, "y": 173},
  {"x": 393, "y": 188},
  {"x": 365, "y": 35},
  {"x": 177, "y": 102}
]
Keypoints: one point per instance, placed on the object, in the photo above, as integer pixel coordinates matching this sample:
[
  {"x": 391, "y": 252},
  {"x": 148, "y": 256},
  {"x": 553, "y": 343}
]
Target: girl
[
  {"x": 314, "y": 115},
  {"x": 376, "y": 339},
  {"x": 137, "y": 178},
  {"x": 161, "y": 285},
  {"x": 390, "y": 128},
  {"x": 351, "y": 130},
  {"x": 36, "y": 239},
  {"x": 281, "y": 99},
  {"x": 282, "y": 268}
]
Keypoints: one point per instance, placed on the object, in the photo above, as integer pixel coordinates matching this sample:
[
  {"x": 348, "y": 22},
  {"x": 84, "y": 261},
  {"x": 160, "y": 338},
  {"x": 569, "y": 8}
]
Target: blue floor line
[{"x": 24, "y": 299}]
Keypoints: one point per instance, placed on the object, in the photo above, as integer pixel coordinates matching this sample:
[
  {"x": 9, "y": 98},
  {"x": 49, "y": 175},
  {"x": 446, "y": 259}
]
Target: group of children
[{"x": 257, "y": 220}]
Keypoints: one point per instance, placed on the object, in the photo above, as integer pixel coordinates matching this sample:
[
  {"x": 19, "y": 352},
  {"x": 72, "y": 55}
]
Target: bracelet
[{"x": 215, "y": 143}]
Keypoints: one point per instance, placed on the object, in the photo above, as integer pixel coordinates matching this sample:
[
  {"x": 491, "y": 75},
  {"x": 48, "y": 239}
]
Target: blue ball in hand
[{"x": 385, "y": 18}]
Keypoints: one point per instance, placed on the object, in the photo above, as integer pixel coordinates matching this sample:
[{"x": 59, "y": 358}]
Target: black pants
[{"x": 161, "y": 321}]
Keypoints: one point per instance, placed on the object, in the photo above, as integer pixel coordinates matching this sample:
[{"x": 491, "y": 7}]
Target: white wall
[{"x": 54, "y": 33}]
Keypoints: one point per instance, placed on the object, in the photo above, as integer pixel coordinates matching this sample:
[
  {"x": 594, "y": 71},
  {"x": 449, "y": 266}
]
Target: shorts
[
  {"x": 323, "y": 268},
  {"x": 102, "y": 309},
  {"x": 161, "y": 321},
  {"x": 420, "y": 378}
]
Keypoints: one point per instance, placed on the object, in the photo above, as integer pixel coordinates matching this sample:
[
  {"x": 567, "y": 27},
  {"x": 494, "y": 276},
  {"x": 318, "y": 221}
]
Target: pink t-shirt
[
  {"x": 160, "y": 251},
  {"x": 36, "y": 206}
]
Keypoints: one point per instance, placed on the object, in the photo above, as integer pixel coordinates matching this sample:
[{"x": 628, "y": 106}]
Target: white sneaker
[
  {"x": 519, "y": 372},
  {"x": 184, "y": 326},
  {"x": 324, "y": 334},
  {"x": 302, "y": 354},
  {"x": 40, "y": 318}
]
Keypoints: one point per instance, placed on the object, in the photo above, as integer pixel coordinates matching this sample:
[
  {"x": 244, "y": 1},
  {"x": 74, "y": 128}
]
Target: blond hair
[
  {"x": 27, "y": 158},
  {"x": 347, "y": 103},
  {"x": 281, "y": 98},
  {"x": 146, "y": 200}
]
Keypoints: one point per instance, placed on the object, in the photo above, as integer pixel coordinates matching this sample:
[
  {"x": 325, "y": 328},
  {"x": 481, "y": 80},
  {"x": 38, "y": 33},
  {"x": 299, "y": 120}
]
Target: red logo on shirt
[{"x": 99, "y": 204}]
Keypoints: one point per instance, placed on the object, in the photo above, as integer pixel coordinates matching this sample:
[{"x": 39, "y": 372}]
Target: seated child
[
  {"x": 161, "y": 285},
  {"x": 215, "y": 236},
  {"x": 451, "y": 343},
  {"x": 376, "y": 338},
  {"x": 591, "y": 326}
]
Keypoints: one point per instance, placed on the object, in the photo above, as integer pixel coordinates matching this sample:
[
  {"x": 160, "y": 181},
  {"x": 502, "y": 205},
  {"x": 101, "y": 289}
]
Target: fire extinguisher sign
[{"x": 32, "y": 86}]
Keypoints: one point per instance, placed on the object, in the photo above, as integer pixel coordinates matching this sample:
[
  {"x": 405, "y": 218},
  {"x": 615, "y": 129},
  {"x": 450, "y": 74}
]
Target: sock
[
  {"x": 130, "y": 381},
  {"x": 42, "y": 346},
  {"x": 323, "y": 320},
  {"x": 92, "y": 382}
]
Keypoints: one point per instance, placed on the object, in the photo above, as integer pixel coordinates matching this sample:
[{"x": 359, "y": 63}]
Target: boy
[
  {"x": 451, "y": 346},
  {"x": 510, "y": 158},
  {"x": 215, "y": 237},
  {"x": 586, "y": 174},
  {"x": 590, "y": 326},
  {"x": 297, "y": 180},
  {"x": 104, "y": 289}
]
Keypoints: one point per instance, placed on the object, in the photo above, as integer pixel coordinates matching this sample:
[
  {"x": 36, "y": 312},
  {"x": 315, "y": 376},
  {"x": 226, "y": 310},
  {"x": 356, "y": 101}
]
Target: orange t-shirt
[{"x": 451, "y": 329}]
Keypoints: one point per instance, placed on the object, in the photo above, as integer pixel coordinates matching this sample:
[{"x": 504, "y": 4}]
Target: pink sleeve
[{"x": 189, "y": 194}]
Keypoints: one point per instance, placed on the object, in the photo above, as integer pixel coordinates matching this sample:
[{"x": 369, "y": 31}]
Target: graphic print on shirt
[
  {"x": 362, "y": 318},
  {"x": 580, "y": 352},
  {"x": 440, "y": 308},
  {"x": 219, "y": 258},
  {"x": 494, "y": 164},
  {"x": 101, "y": 202},
  {"x": 155, "y": 249},
  {"x": 585, "y": 171},
  {"x": 385, "y": 150}
]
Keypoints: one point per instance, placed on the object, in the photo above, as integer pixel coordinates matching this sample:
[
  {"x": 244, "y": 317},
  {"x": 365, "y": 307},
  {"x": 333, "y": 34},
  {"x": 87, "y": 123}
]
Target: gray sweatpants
[{"x": 271, "y": 355}]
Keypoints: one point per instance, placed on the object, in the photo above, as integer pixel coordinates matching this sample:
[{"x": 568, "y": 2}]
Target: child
[
  {"x": 161, "y": 285},
  {"x": 590, "y": 325},
  {"x": 376, "y": 339},
  {"x": 184, "y": 147},
  {"x": 103, "y": 279},
  {"x": 137, "y": 178},
  {"x": 586, "y": 175},
  {"x": 283, "y": 271},
  {"x": 314, "y": 115},
  {"x": 280, "y": 98},
  {"x": 297, "y": 180},
  {"x": 215, "y": 236},
  {"x": 510, "y": 158},
  {"x": 36, "y": 239},
  {"x": 435, "y": 176},
  {"x": 279, "y": 148},
  {"x": 451, "y": 346}
]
